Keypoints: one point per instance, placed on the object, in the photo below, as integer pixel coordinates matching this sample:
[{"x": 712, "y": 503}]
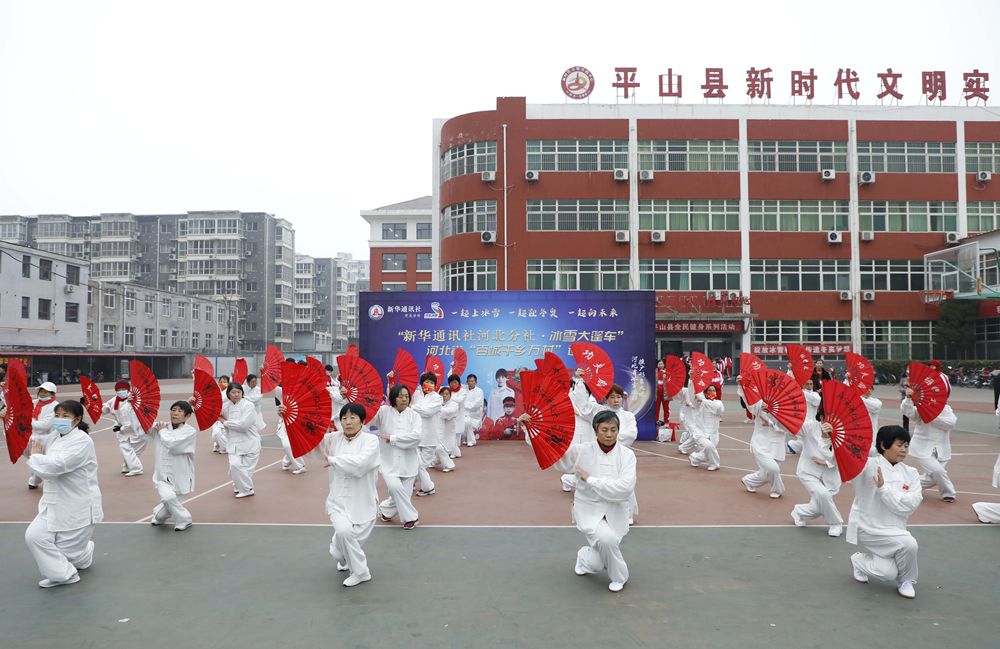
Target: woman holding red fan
[
  {"x": 767, "y": 445},
  {"x": 818, "y": 473},
  {"x": 132, "y": 438},
  {"x": 662, "y": 402},
  {"x": 239, "y": 419},
  {"x": 706, "y": 437},
  {"x": 43, "y": 411},
  {"x": 931, "y": 446},
  {"x": 585, "y": 407},
  {"x": 399, "y": 429},
  {"x": 173, "y": 475}
]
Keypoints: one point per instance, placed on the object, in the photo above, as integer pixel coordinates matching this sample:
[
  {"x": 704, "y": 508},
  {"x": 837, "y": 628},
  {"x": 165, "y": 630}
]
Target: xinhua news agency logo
[
  {"x": 577, "y": 82},
  {"x": 437, "y": 313},
  {"x": 375, "y": 312}
]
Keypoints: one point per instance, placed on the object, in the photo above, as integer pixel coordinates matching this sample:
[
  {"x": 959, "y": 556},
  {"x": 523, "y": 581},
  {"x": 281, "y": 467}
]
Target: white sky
[{"x": 313, "y": 111}]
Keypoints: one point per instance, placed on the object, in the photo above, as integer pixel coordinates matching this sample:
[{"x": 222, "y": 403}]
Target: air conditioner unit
[
  {"x": 647, "y": 176},
  {"x": 834, "y": 237},
  {"x": 658, "y": 236},
  {"x": 172, "y": 257},
  {"x": 713, "y": 296},
  {"x": 489, "y": 176},
  {"x": 868, "y": 296},
  {"x": 867, "y": 235},
  {"x": 845, "y": 296},
  {"x": 173, "y": 277},
  {"x": 531, "y": 175},
  {"x": 621, "y": 174},
  {"x": 621, "y": 236},
  {"x": 69, "y": 288},
  {"x": 983, "y": 176},
  {"x": 138, "y": 255},
  {"x": 828, "y": 174},
  {"x": 951, "y": 237},
  {"x": 732, "y": 296},
  {"x": 488, "y": 236},
  {"x": 866, "y": 178}
]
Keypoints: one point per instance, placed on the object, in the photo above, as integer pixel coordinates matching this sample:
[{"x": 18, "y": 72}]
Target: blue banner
[{"x": 503, "y": 332}]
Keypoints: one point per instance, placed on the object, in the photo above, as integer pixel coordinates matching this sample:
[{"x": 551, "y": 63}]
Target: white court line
[{"x": 518, "y": 527}]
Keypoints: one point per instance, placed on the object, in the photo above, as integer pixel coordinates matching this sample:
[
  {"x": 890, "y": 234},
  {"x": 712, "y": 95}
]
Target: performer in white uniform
[
  {"x": 767, "y": 445},
  {"x": 239, "y": 418},
  {"x": 173, "y": 475},
  {"x": 450, "y": 413},
  {"x": 42, "y": 413},
  {"x": 297, "y": 465},
  {"x": 990, "y": 512},
  {"x": 886, "y": 493},
  {"x": 931, "y": 446},
  {"x": 399, "y": 431},
  {"x": 220, "y": 439},
  {"x": 817, "y": 471},
  {"x": 427, "y": 403},
  {"x": 473, "y": 409},
  {"x": 59, "y": 538},
  {"x": 585, "y": 406},
  {"x": 628, "y": 431},
  {"x": 132, "y": 439},
  {"x": 690, "y": 417},
  {"x": 706, "y": 436},
  {"x": 874, "y": 406},
  {"x": 351, "y": 504},
  {"x": 453, "y": 440},
  {"x": 813, "y": 400}
]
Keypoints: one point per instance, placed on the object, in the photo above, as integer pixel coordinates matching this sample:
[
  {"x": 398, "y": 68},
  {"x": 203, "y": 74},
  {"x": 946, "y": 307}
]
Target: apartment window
[
  {"x": 982, "y": 156},
  {"x": 222, "y": 314},
  {"x": 25, "y": 307},
  {"x": 165, "y": 307},
  {"x": 72, "y": 312},
  {"x": 148, "y": 305},
  {"x": 72, "y": 274},
  {"x": 577, "y": 155},
  {"x": 195, "y": 339},
  {"x": 182, "y": 310},
  {"x": 424, "y": 230},
  {"x": 130, "y": 301},
  {"x": 208, "y": 313},
  {"x": 90, "y": 334},
  {"x": 684, "y": 214},
  {"x": 578, "y": 274},
  {"x": 393, "y": 262},
  {"x": 984, "y": 216},
  {"x": 251, "y": 287},
  {"x": 163, "y": 338},
  {"x": 577, "y": 215},
  {"x": 892, "y": 275},
  {"x": 26, "y": 266},
  {"x": 689, "y": 274},
  {"x": 108, "y": 335},
  {"x": 173, "y": 338},
  {"x": 795, "y": 155},
  {"x": 689, "y": 155},
  {"x": 470, "y": 158},
  {"x": 195, "y": 312},
  {"x": 907, "y": 157},
  {"x": 45, "y": 269},
  {"x": 394, "y": 231},
  {"x": 424, "y": 261},
  {"x": 805, "y": 331},
  {"x": 147, "y": 338},
  {"x": 393, "y": 287},
  {"x": 908, "y": 216},
  {"x": 130, "y": 336},
  {"x": 473, "y": 216},
  {"x": 278, "y": 330},
  {"x": 424, "y": 286},
  {"x": 471, "y": 275},
  {"x": 896, "y": 340},
  {"x": 799, "y": 216},
  {"x": 800, "y": 274},
  {"x": 108, "y": 298}
]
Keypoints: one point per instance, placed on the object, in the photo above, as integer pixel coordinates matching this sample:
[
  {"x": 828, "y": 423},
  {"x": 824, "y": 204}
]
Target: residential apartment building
[
  {"x": 400, "y": 251},
  {"x": 326, "y": 302}
]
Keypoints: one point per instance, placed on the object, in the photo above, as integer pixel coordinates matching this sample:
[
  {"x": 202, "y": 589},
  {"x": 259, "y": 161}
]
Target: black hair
[
  {"x": 224, "y": 376},
  {"x": 471, "y": 376},
  {"x": 887, "y": 436},
  {"x": 606, "y": 415},
  {"x": 454, "y": 377},
  {"x": 234, "y": 386},
  {"x": 819, "y": 412},
  {"x": 617, "y": 389},
  {"x": 512, "y": 400},
  {"x": 443, "y": 388},
  {"x": 429, "y": 376},
  {"x": 303, "y": 364},
  {"x": 251, "y": 376},
  {"x": 394, "y": 392},
  {"x": 328, "y": 367},
  {"x": 74, "y": 408},
  {"x": 501, "y": 372},
  {"x": 356, "y": 408},
  {"x": 183, "y": 405}
]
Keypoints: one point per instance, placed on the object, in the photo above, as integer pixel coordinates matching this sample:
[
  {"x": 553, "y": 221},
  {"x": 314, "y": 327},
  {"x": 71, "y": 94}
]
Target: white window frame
[
  {"x": 797, "y": 155},
  {"x": 689, "y": 155},
  {"x": 577, "y": 215},
  {"x": 906, "y": 157}
]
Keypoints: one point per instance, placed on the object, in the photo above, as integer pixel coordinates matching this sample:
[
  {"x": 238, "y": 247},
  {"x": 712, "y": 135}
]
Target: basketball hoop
[{"x": 936, "y": 297}]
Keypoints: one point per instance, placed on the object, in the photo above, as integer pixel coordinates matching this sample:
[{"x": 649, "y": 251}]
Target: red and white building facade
[
  {"x": 756, "y": 225},
  {"x": 400, "y": 245}
]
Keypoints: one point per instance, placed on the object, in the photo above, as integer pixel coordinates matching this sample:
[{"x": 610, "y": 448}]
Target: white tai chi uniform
[
  {"x": 689, "y": 417},
  {"x": 628, "y": 431},
  {"x": 706, "y": 436},
  {"x": 352, "y": 501},
  {"x": 822, "y": 482},
  {"x": 220, "y": 437},
  {"x": 450, "y": 414},
  {"x": 813, "y": 399},
  {"x": 585, "y": 406},
  {"x": 600, "y": 505},
  {"x": 242, "y": 443},
  {"x": 132, "y": 438},
  {"x": 41, "y": 431},
  {"x": 70, "y": 507},
  {"x": 930, "y": 445},
  {"x": 472, "y": 407},
  {"x": 878, "y": 521},
  {"x": 336, "y": 401},
  {"x": 173, "y": 474},
  {"x": 288, "y": 460},
  {"x": 874, "y": 406},
  {"x": 990, "y": 512},
  {"x": 428, "y": 406},
  {"x": 400, "y": 460},
  {"x": 767, "y": 445}
]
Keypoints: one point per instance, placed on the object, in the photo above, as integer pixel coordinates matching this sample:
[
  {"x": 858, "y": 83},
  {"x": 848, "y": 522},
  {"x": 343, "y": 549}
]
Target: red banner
[
  {"x": 698, "y": 326},
  {"x": 814, "y": 348},
  {"x": 989, "y": 309}
]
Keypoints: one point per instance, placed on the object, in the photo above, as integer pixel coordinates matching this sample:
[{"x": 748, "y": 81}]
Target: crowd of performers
[{"x": 415, "y": 433}]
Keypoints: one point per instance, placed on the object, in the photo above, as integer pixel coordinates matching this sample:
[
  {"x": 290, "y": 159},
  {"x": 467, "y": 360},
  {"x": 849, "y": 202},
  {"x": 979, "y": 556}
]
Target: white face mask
[
  {"x": 45, "y": 398},
  {"x": 122, "y": 394},
  {"x": 62, "y": 426}
]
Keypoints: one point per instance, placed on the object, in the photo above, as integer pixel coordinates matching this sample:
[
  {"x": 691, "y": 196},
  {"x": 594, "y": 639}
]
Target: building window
[
  {"x": 799, "y": 216},
  {"x": 173, "y": 338},
  {"x": 147, "y": 338},
  {"x": 393, "y": 262},
  {"x": 806, "y": 331},
  {"x": 424, "y": 286},
  {"x": 473, "y": 216},
  {"x": 45, "y": 269},
  {"x": 26, "y": 266},
  {"x": 130, "y": 336},
  {"x": 585, "y": 215},
  {"x": 195, "y": 312},
  {"x": 424, "y": 261},
  {"x": 195, "y": 339},
  {"x": 182, "y": 310},
  {"x": 72, "y": 274},
  {"x": 982, "y": 156},
  {"x": 577, "y": 155},
  {"x": 908, "y": 216},
  {"x": 800, "y": 274},
  {"x": 165, "y": 307},
  {"x": 472, "y": 275},
  {"x": 984, "y": 216},
  {"x": 108, "y": 336},
  {"x": 208, "y": 313},
  {"x": 892, "y": 275},
  {"x": 25, "y": 307},
  {"x": 148, "y": 305},
  {"x": 393, "y": 287},
  {"x": 700, "y": 215},
  {"x": 794, "y": 155},
  {"x": 689, "y": 274},
  {"x": 394, "y": 231},
  {"x": 108, "y": 298},
  {"x": 222, "y": 339},
  {"x": 470, "y": 158},
  {"x": 896, "y": 340},
  {"x": 689, "y": 155},
  {"x": 72, "y": 312},
  {"x": 907, "y": 157},
  {"x": 163, "y": 338},
  {"x": 578, "y": 274},
  {"x": 424, "y": 231}
]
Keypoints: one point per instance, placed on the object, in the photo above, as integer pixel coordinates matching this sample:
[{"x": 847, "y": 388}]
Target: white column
[
  {"x": 963, "y": 211},
  {"x": 633, "y": 204},
  {"x": 854, "y": 224},
  {"x": 435, "y": 206},
  {"x": 744, "y": 153}
]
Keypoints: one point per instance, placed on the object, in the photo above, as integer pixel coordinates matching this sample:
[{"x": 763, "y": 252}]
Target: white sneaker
[
  {"x": 713, "y": 468},
  {"x": 299, "y": 471},
  {"x": 132, "y": 473},
  {"x": 747, "y": 486},
  {"x": 616, "y": 586},
  {"x": 48, "y": 583},
  {"x": 579, "y": 569},
  {"x": 185, "y": 526},
  {"x": 244, "y": 494},
  {"x": 797, "y": 518},
  {"x": 449, "y": 470},
  {"x": 860, "y": 575},
  {"x": 775, "y": 494},
  {"x": 694, "y": 462},
  {"x": 286, "y": 467},
  {"x": 906, "y": 590},
  {"x": 835, "y": 530},
  {"x": 341, "y": 567},
  {"x": 354, "y": 580}
]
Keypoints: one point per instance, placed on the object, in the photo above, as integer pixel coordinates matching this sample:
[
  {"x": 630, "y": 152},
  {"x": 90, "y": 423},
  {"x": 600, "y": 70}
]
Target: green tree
[{"x": 955, "y": 329}]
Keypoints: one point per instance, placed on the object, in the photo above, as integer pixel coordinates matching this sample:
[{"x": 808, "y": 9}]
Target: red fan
[
  {"x": 781, "y": 395},
  {"x": 203, "y": 364},
  {"x": 270, "y": 369},
  {"x": 17, "y": 420},
  {"x": 317, "y": 368},
  {"x": 460, "y": 361},
  {"x": 240, "y": 371},
  {"x": 207, "y": 399},
  {"x": 930, "y": 393},
  {"x": 436, "y": 367},
  {"x": 852, "y": 427},
  {"x": 750, "y": 363},
  {"x": 676, "y": 374},
  {"x": 802, "y": 363},
  {"x": 404, "y": 370},
  {"x": 352, "y": 350},
  {"x": 860, "y": 373},
  {"x": 554, "y": 366},
  {"x": 598, "y": 371},
  {"x": 307, "y": 407},
  {"x": 552, "y": 420},
  {"x": 362, "y": 383},
  {"x": 702, "y": 371},
  {"x": 145, "y": 393},
  {"x": 91, "y": 398}
]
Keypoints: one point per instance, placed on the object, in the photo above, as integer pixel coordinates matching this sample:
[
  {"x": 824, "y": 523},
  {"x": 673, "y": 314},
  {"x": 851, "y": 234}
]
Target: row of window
[
  {"x": 44, "y": 267},
  {"x": 178, "y": 339},
  {"x": 44, "y": 309},
  {"x": 110, "y": 297},
  {"x": 397, "y": 231},
  {"x": 395, "y": 262},
  {"x": 881, "y": 339}
]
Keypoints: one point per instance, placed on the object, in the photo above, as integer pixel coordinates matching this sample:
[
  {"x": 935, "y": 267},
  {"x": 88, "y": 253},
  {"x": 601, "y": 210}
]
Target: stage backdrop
[{"x": 508, "y": 330}]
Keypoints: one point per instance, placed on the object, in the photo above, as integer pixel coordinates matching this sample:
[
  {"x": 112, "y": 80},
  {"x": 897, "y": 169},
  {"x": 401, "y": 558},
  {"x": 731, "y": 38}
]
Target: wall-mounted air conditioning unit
[
  {"x": 845, "y": 296},
  {"x": 172, "y": 257},
  {"x": 488, "y": 236},
  {"x": 647, "y": 176},
  {"x": 827, "y": 174},
  {"x": 621, "y": 174},
  {"x": 531, "y": 175},
  {"x": 658, "y": 236},
  {"x": 867, "y": 235},
  {"x": 866, "y": 178},
  {"x": 621, "y": 236},
  {"x": 69, "y": 288},
  {"x": 951, "y": 237},
  {"x": 983, "y": 176},
  {"x": 834, "y": 237},
  {"x": 713, "y": 296},
  {"x": 488, "y": 176},
  {"x": 868, "y": 296}
]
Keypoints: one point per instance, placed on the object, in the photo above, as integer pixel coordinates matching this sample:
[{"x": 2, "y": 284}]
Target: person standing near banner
[
  {"x": 473, "y": 409},
  {"x": 931, "y": 446},
  {"x": 427, "y": 403},
  {"x": 453, "y": 437},
  {"x": 450, "y": 409},
  {"x": 173, "y": 473},
  {"x": 585, "y": 407},
  {"x": 42, "y": 413},
  {"x": 354, "y": 462},
  {"x": 817, "y": 471},
  {"x": 706, "y": 438},
  {"x": 239, "y": 418},
  {"x": 662, "y": 404},
  {"x": 690, "y": 416},
  {"x": 767, "y": 445},
  {"x": 399, "y": 429},
  {"x": 886, "y": 493},
  {"x": 59, "y": 538}
]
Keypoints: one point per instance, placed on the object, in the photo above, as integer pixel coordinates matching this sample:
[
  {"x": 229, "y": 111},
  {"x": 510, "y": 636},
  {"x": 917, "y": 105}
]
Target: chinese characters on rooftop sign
[{"x": 579, "y": 83}]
